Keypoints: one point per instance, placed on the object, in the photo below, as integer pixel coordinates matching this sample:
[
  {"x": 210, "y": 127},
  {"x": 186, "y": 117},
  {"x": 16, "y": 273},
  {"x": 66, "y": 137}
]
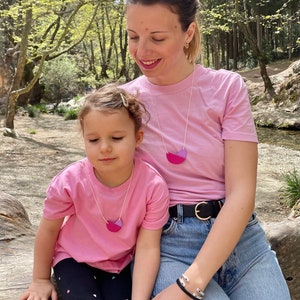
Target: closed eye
[
  {"x": 119, "y": 138},
  {"x": 93, "y": 140}
]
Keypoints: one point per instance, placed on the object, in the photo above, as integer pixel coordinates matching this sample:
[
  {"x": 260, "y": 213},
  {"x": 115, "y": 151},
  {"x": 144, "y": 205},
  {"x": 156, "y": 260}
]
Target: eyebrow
[{"x": 152, "y": 32}]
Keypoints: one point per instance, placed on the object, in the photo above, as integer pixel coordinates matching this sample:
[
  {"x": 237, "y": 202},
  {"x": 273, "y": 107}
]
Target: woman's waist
[{"x": 202, "y": 210}]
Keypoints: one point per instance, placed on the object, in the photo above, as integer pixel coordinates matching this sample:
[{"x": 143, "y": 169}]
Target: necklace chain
[
  {"x": 187, "y": 117},
  {"x": 99, "y": 206}
]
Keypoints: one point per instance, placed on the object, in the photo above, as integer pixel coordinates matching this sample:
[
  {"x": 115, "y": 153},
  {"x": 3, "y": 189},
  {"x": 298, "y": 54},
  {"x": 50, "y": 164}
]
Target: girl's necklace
[
  {"x": 179, "y": 156},
  {"x": 113, "y": 226}
]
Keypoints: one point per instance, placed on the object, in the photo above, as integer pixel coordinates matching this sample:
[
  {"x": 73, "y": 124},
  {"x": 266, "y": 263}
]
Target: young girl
[
  {"x": 202, "y": 139},
  {"x": 102, "y": 210}
]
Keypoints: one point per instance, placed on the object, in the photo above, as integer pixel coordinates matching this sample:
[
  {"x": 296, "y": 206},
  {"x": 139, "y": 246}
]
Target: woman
[{"x": 202, "y": 139}]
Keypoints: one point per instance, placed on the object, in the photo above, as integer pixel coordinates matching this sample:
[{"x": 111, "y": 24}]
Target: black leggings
[{"x": 79, "y": 281}]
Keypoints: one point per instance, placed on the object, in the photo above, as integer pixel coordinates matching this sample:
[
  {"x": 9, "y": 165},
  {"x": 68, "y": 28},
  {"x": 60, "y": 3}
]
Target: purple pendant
[
  {"x": 114, "y": 226},
  {"x": 178, "y": 157}
]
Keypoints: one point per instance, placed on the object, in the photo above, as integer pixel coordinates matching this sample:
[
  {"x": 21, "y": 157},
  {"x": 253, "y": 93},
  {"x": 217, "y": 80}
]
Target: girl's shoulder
[{"x": 73, "y": 171}]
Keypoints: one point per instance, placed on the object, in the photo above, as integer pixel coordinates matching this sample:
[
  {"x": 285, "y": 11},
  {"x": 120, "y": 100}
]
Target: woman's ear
[{"x": 190, "y": 32}]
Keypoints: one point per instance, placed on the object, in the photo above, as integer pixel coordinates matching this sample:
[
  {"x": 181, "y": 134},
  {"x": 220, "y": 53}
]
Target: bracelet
[{"x": 181, "y": 282}]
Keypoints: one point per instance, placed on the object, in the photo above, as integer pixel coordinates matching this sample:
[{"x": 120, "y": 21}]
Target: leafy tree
[
  {"x": 60, "y": 79},
  {"x": 50, "y": 29}
]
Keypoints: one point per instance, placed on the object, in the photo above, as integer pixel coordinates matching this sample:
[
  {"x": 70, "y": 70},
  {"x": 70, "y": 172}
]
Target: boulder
[
  {"x": 16, "y": 248},
  {"x": 284, "y": 238}
]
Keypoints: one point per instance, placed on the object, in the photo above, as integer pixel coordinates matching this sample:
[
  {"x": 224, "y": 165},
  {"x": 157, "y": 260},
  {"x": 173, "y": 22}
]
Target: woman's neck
[{"x": 177, "y": 75}]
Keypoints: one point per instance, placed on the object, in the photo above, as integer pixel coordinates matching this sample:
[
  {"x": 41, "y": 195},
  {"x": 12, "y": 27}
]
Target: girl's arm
[
  {"x": 41, "y": 286},
  {"x": 146, "y": 263},
  {"x": 240, "y": 182}
]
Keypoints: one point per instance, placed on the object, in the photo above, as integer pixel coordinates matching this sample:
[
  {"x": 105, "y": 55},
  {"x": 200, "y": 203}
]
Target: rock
[
  {"x": 284, "y": 238},
  {"x": 283, "y": 111},
  {"x": 16, "y": 248},
  {"x": 13, "y": 218},
  {"x": 296, "y": 67}
]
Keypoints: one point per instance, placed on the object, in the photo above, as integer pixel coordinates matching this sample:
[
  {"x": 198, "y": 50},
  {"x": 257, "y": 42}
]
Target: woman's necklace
[
  {"x": 179, "y": 156},
  {"x": 113, "y": 226}
]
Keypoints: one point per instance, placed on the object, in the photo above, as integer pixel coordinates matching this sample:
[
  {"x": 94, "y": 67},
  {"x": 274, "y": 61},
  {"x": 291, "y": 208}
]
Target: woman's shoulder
[
  {"x": 213, "y": 74},
  {"x": 136, "y": 85}
]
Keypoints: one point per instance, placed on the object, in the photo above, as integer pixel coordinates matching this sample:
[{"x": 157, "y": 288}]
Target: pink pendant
[
  {"x": 114, "y": 226},
  {"x": 177, "y": 158}
]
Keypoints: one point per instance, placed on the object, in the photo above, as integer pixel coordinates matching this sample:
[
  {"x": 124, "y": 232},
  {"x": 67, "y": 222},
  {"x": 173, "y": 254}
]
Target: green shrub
[
  {"x": 35, "y": 110},
  {"x": 60, "y": 110},
  {"x": 71, "y": 114},
  {"x": 291, "y": 189},
  {"x": 61, "y": 79}
]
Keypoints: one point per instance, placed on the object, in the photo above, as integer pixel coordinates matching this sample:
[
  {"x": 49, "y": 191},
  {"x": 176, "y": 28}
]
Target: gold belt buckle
[{"x": 197, "y": 210}]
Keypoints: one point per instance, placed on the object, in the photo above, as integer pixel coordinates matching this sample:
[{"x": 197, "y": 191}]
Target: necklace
[
  {"x": 113, "y": 226},
  {"x": 180, "y": 156}
]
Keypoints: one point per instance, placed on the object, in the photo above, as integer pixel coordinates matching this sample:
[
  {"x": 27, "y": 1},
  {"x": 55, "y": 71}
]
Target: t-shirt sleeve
[
  {"x": 157, "y": 206},
  {"x": 237, "y": 123},
  {"x": 58, "y": 202}
]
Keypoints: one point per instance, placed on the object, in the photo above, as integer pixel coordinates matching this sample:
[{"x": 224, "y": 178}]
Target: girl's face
[
  {"x": 156, "y": 42},
  {"x": 110, "y": 142}
]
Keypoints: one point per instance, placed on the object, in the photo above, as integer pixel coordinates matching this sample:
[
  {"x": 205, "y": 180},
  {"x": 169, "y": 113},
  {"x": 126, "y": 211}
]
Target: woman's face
[{"x": 156, "y": 42}]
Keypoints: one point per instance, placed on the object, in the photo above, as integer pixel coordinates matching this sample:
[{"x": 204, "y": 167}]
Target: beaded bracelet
[{"x": 181, "y": 282}]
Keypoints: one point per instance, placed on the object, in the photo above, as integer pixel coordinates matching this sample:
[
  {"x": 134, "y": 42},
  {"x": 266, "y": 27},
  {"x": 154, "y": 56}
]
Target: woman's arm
[
  {"x": 240, "y": 181},
  {"x": 41, "y": 286},
  {"x": 146, "y": 263}
]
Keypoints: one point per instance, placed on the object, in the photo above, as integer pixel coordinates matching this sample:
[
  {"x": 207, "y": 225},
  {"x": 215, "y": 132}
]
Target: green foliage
[
  {"x": 291, "y": 189},
  {"x": 31, "y": 131},
  {"x": 71, "y": 114},
  {"x": 60, "y": 110},
  {"x": 35, "y": 110},
  {"x": 60, "y": 79}
]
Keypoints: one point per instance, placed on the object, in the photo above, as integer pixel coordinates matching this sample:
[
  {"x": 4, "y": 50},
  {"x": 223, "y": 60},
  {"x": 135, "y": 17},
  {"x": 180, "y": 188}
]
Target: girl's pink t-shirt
[
  {"x": 84, "y": 235},
  {"x": 220, "y": 110}
]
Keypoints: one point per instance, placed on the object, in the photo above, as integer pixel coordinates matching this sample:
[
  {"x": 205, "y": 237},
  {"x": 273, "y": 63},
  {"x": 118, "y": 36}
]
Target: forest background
[{"x": 52, "y": 51}]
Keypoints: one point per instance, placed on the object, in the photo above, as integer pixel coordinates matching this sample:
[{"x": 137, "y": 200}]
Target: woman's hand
[{"x": 41, "y": 289}]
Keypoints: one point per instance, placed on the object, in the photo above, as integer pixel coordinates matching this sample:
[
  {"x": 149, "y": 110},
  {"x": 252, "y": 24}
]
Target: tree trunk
[
  {"x": 251, "y": 39},
  {"x": 13, "y": 93}
]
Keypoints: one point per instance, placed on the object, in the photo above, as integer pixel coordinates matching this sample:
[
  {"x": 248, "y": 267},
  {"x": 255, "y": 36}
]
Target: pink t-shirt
[
  {"x": 220, "y": 110},
  {"x": 84, "y": 235}
]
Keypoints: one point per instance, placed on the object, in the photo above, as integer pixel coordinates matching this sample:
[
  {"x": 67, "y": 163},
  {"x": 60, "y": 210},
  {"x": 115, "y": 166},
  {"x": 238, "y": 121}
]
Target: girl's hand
[{"x": 41, "y": 289}]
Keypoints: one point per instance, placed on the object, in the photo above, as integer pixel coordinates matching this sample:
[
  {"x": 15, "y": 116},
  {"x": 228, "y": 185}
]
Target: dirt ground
[{"x": 46, "y": 144}]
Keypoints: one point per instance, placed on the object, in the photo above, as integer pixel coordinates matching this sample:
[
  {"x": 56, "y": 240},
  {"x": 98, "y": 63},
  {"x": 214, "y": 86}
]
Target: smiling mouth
[{"x": 149, "y": 64}]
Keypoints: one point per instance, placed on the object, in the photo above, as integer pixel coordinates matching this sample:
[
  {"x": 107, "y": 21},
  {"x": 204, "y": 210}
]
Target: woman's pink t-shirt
[
  {"x": 84, "y": 235},
  {"x": 220, "y": 110}
]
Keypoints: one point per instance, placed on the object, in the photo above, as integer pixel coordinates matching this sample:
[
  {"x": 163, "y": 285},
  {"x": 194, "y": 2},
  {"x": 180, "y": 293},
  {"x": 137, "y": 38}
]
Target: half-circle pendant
[
  {"x": 114, "y": 226},
  {"x": 178, "y": 157}
]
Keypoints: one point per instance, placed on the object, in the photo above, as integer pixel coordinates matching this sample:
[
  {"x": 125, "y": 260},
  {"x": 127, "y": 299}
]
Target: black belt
[{"x": 203, "y": 210}]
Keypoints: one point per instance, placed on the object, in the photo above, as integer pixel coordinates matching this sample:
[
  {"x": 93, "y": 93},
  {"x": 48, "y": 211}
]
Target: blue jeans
[{"x": 251, "y": 272}]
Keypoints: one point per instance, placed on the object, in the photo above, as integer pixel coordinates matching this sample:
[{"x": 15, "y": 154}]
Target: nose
[
  {"x": 105, "y": 147},
  {"x": 143, "y": 49}
]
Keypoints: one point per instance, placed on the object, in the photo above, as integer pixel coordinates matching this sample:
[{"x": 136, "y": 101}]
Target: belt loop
[{"x": 179, "y": 213}]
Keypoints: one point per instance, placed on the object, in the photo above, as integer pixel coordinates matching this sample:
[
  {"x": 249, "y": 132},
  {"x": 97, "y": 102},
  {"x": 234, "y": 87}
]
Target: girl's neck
[{"x": 111, "y": 180}]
